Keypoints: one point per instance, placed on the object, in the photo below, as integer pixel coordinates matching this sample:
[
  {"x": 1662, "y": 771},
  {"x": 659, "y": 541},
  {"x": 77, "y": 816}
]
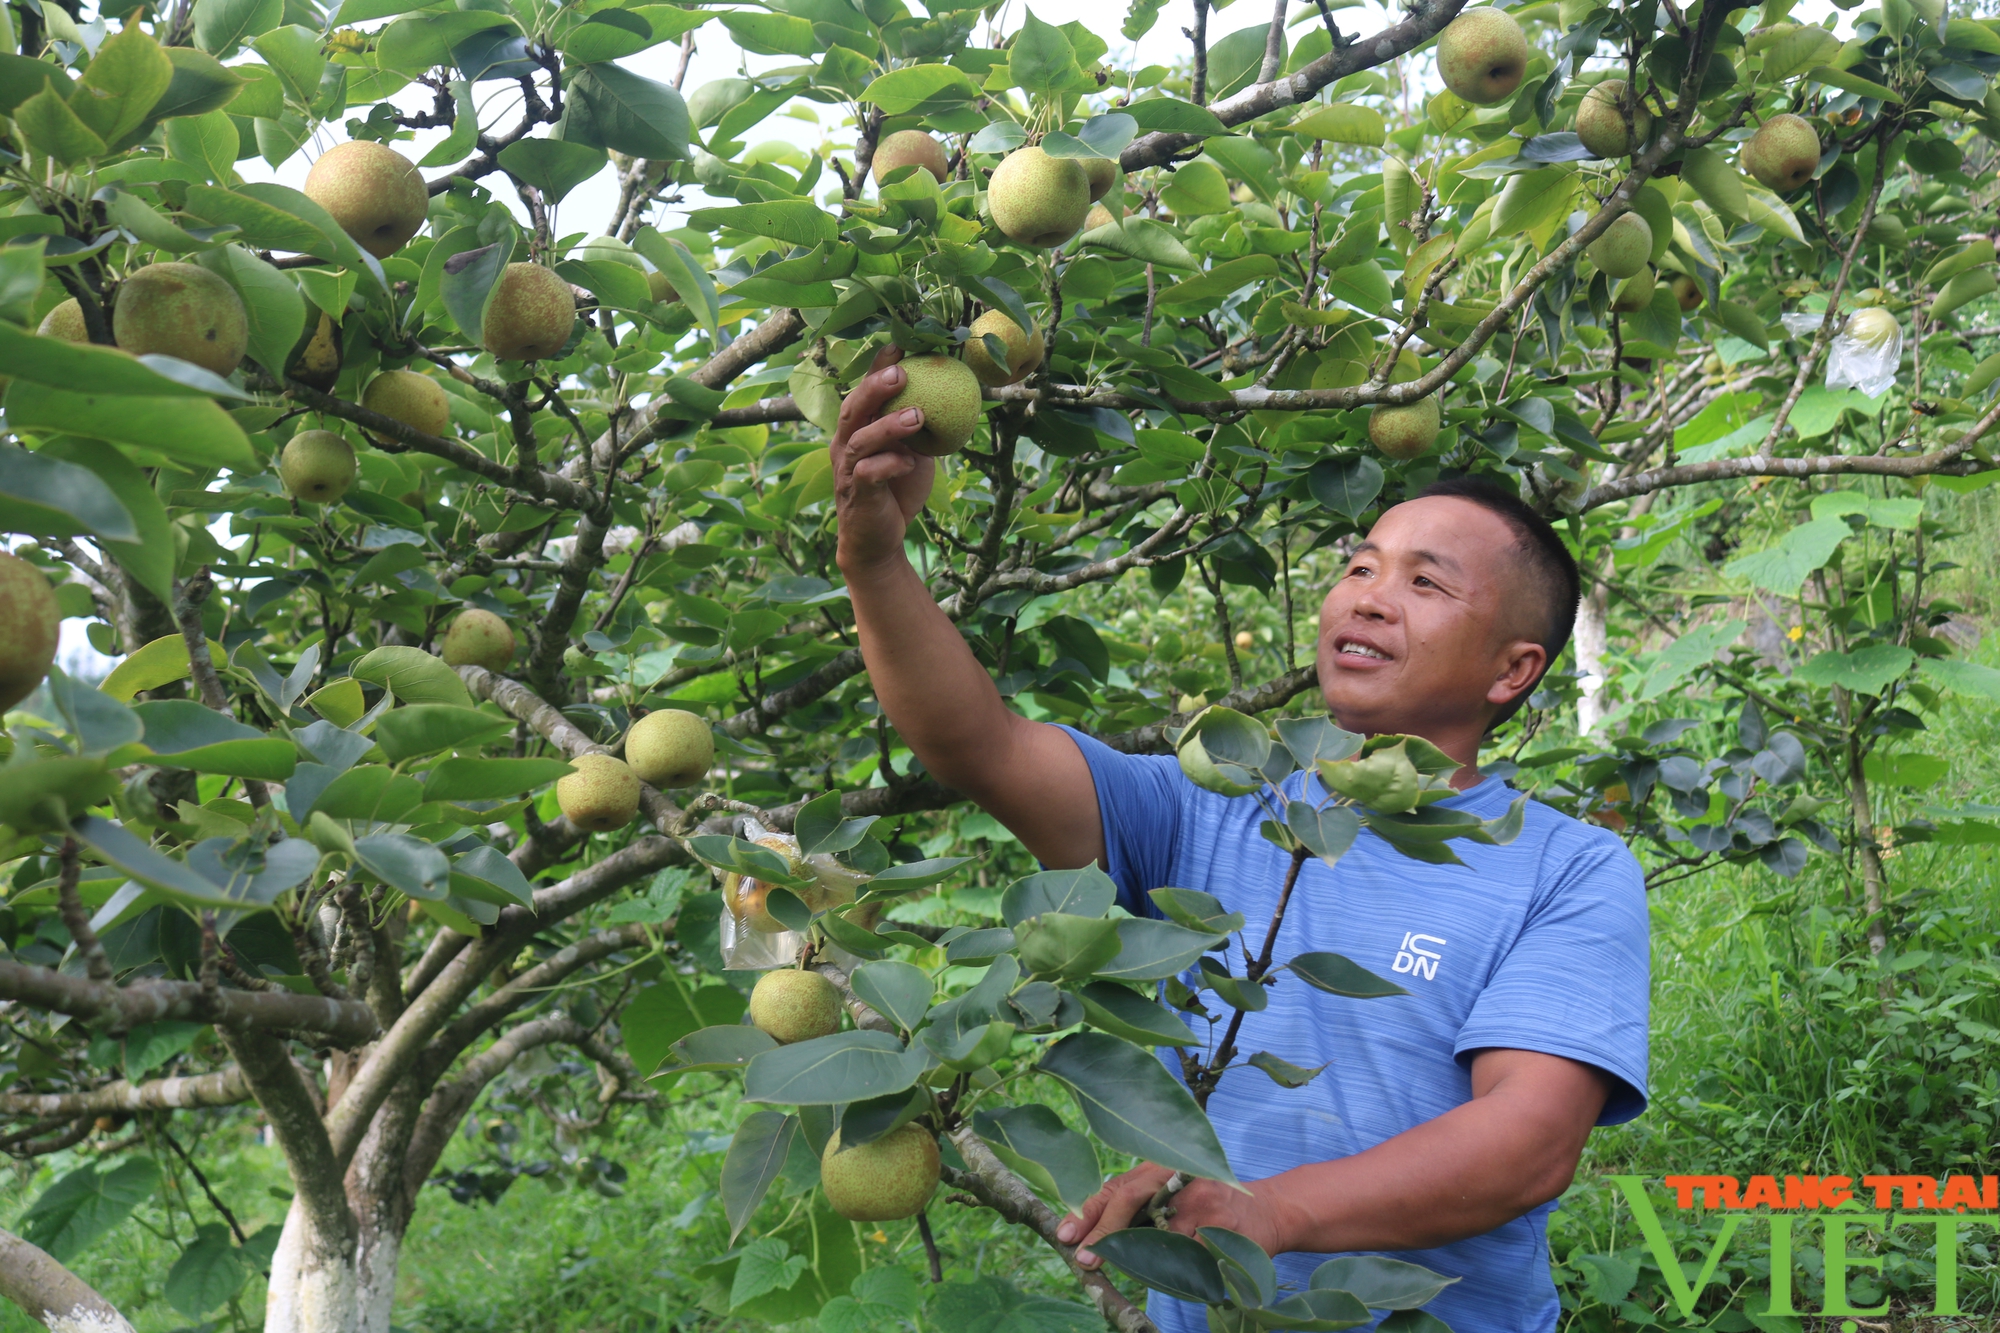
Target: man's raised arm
[{"x": 1030, "y": 776}]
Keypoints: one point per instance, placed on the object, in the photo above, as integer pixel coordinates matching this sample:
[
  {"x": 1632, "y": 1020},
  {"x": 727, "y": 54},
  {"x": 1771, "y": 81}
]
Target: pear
[
  {"x": 670, "y": 748},
  {"x": 531, "y": 314},
  {"x": 659, "y": 288},
  {"x": 909, "y": 148},
  {"x": 1624, "y": 247},
  {"x": 611, "y": 250},
  {"x": 30, "y": 625},
  {"x": 795, "y": 1005},
  {"x": 1102, "y": 174},
  {"x": 603, "y": 794},
  {"x": 1633, "y": 294},
  {"x": 1600, "y": 121},
  {"x": 418, "y": 401},
  {"x": 316, "y": 359},
  {"x": 1783, "y": 154},
  {"x": 1482, "y": 56},
  {"x": 1405, "y": 432},
  {"x": 317, "y": 465},
  {"x": 747, "y": 901},
  {"x": 1687, "y": 291},
  {"x": 1873, "y": 326},
  {"x": 1024, "y": 350},
  {"x": 479, "y": 638},
  {"x": 65, "y": 322},
  {"x": 1038, "y": 200},
  {"x": 373, "y": 192},
  {"x": 181, "y": 310},
  {"x": 1098, "y": 216},
  {"x": 883, "y": 1181},
  {"x": 948, "y": 393}
]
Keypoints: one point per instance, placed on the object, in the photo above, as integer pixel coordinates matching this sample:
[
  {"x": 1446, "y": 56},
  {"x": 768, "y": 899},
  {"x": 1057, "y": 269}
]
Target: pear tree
[{"x": 467, "y": 569}]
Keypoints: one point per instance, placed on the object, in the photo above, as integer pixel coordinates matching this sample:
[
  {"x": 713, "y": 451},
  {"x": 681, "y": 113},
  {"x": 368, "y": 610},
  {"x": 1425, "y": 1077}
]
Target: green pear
[
  {"x": 1482, "y": 56},
  {"x": 65, "y": 322},
  {"x": 317, "y": 465},
  {"x": 1783, "y": 154},
  {"x": 1098, "y": 216},
  {"x": 30, "y": 625},
  {"x": 181, "y": 310},
  {"x": 603, "y": 794},
  {"x": 1038, "y": 200},
  {"x": 909, "y": 148},
  {"x": 659, "y": 288},
  {"x": 418, "y": 401},
  {"x": 1633, "y": 294},
  {"x": 373, "y": 192},
  {"x": 1624, "y": 247},
  {"x": 670, "y": 748},
  {"x": 316, "y": 359},
  {"x": 530, "y": 316},
  {"x": 479, "y": 638},
  {"x": 1872, "y": 326},
  {"x": 794, "y": 1005},
  {"x": 1600, "y": 121},
  {"x": 1102, "y": 174},
  {"x": 1024, "y": 350},
  {"x": 1407, "y": 431},
  {"x": 948, "y": 393},
  {"x": 884, "y": 1181},
  {"x": 1687, "y": 291}
]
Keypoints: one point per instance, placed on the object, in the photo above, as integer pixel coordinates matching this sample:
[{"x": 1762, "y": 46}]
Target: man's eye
[{"x": 1423, "y": 582}]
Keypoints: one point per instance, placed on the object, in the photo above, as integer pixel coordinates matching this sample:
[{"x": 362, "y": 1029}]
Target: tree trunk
[
  {"x": 51, "y": 1295},
  {"x": 315, "y": 1281},
  {"x": 1592, "y": 639}
]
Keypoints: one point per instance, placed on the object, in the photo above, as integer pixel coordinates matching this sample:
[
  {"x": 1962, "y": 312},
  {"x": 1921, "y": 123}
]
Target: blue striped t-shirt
[{"x": 1540, "y": 945}]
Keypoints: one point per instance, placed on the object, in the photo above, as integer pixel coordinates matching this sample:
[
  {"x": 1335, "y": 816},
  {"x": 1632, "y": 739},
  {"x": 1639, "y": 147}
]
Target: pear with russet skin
[
  {"x": 795, "y": 1005},
  {"x": 65, "y": 322},
  {"x": 1038, "y": 200},
  {"x": 418, "y": 401},
  {"x": 479, "y": 638},
  {"x": 603, "y": 793},
  {"x": 1624, "y": 247},
  {"x": 1102, "y": 174},
  {"x": 1600, "y": 121},
  {"x": 1024, "y": 350},
  {"x": 181, "y": 310},
  {"x": 670, "y": 748},
  {"x": 1687, "y": 291},
  {"x": 1407, "y": 431},
  {"x": 1783, "y": 154},
  {"x": 315, "y": 360},
  {"x": 374, "y": 193},
  {"x": 947, "y": 392},
  {"x": 530, "y": 316},
  {"x": 317, "y": 465},
  {"x": 909, "y": 148},
  {"x": 1482, "y": 56},
  {"x": 884, "y": 1181},
  {"x": 30, "y": 627}
]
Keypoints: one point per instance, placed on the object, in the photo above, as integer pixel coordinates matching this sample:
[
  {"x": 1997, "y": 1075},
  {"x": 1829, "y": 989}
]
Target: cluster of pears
[
  {"x": 30, "y": 625},
  {"x": 171, "y": 309},
  {"x": 668, "y": 748},
  {"x": 892, "y": 1177}
]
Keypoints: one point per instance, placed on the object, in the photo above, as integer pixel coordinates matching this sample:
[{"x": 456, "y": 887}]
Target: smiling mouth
[{"x": 1351, "y": 648}]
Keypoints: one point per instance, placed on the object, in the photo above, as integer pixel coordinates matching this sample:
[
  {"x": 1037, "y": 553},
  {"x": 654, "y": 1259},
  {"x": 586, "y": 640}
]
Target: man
[{"x": 1446, "y": 1120}]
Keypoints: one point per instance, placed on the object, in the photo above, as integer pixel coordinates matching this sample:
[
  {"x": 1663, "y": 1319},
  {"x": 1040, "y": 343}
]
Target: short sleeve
[
  {"x": 1577, "y": 982},
  {"x": 1139, "y": 802}
]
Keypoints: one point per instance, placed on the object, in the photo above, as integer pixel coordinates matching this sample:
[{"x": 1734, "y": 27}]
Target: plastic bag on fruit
[
  {"x": 752, "y": 939},
  {"x": 1864, "y": 354}
]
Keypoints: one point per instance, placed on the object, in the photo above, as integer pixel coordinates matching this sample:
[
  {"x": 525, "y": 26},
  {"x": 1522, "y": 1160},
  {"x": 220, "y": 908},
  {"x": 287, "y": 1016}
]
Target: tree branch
[
  {"x": 52, "y": 1295},
  {"x": 344, "y": 1022},
  {"x": 223, "y": 1087},
  {"x": 290, "y": 1107}
]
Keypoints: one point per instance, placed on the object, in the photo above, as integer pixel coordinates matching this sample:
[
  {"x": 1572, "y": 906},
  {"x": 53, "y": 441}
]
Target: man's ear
[{"x": 1521, "y": 665}]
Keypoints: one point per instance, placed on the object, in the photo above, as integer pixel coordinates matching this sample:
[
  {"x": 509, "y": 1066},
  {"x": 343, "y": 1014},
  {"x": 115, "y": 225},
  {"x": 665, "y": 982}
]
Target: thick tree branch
[
  {"x": 449, "y": 1103},
  {"x": 1949, "y": 459},
  {"x": 223, "y": 1087},
  {"x": 294, "y": 1115},
  {"x": 535, "y": 983},
  {"x": 345, "y": 1022},
  {"x": 51, "y": 1295}
]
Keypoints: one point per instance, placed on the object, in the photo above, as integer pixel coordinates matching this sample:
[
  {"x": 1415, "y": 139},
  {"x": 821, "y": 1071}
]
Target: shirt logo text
[{"x": 1417, "y": 957}]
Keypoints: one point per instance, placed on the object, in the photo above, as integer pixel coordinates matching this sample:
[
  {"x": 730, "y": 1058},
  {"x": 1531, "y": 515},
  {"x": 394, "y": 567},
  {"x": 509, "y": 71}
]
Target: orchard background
[{"x": 317, "y": 1011}]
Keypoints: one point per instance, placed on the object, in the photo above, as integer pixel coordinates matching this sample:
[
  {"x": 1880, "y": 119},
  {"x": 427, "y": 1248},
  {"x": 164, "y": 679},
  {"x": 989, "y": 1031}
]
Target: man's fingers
[
  {"x": 884, "y": 433},
  {"x": 867, "y": 398},
  {"x": 1122, "y": 1200}
]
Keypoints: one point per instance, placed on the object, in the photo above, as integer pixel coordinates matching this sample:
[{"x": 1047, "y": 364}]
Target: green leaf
[
  {"x": 80, "y": 1208},
  {"x": 900, "y": 992},
  {"x": 420, "y": 729},
  {"x": 902, "y": 91},
  {"x": 187, "y": 734},
  {"x": 1381, "y": 1283},
  {"x": 1116, "y": 1010},
  {"x": 262, "y": 224},
  {"x": 1532, "y": 199},
  {"x": 404, "y": 862},
  {"x": 1143, "y": 239},
  {"x": 1165, "y": 115},
  {"x": 488, "y": 869},
  {"x": 53, "y": 129},
  {"x": 1851, "y": 83},
  {"x": 1036, "y": 1135},
  {"x": 467, "y": 282},
  {"x": 276, "y": 311},
  {"x": 209, "y": 1272},
  {"x": 1919, "y": 771},
  {"x": 1967, "y": 678},
  {"x": 629, "y": 114},
  {"x": 767, "y": 1265},
  {"x": 1326, "y": 832},
  {"x": 221, "y": 25},
  {"x": 845, "y": 1067},
  {"x": 1057, "y": 945},
  {"x": 21, "y": 77},
  {"x": 745, "y": 858},
  {"x": 490, "y": 779},
  {"x": 553, "y": 166},
  {"x": 610, "y": 34},
  {"x": 1135, "y": 1106},
  {"x": 1151, "y": 950},
  {"x": 294, "y": 55},
  {"x": 149, "y": 559},
  {"x": 1234, "y": 60},
  {"x": 821, "y": 827},
  {"x": 723, "y": 1046},
  {"x": 1783, "y": 567},
  {"x": 1869, "y": 670},
  {"x": 1283, "y": 1072},
  {"x": 659, "y": 1016},
  {"x": 912, "y": 875},
  {"x": 123, "y": 81},
  {"x": 44, "y": 496},
  {"x": 1040, "y": 59},
  {"x": 1336, "y": 975},
  {"x": 413, "y": 675},
  {"x": 178, "y": 429},
  {"x": 794, "y": 221},
  {"x": 1167, "y": 1262},
  {"x": 1209, "y": 288},
  {"x": 1312, "y": 1312},
  {"x": 756, "y": 1155},
  {"x": 1343, "y": 122},
  {"x": 1084, "y": 892}
]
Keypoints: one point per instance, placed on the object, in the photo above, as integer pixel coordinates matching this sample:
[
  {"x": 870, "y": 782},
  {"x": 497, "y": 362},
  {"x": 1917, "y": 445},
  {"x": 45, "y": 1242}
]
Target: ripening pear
[
  {"x": 603, "y": 794},
  {"x": 1624, "y": 248},
  {"x": 883, "y": 1181},
  {"x": 1600, "y": 121},
  {"x": 1024, "y": 350},
  {"x": 1098, "y": 216},
  {"x": 418, "y": 401},
  {"x": 1633, "y": 294},
  {"x": 910, "y": 148},
  {"x": 30, "y": 626},
  {"x": 1783, "y": 154},
  {"x": 659, "y": 288},
  {"x": 670, "y": 748},
  {"x": 1687, "y": 291},
  {"x": 317, "y": 465},
  {"x": 531, "y": 314},
  {"x": 746, "y": 899},
  {"x": 947, "y": 392},
  {"x": 373, "y": 192},
  {"x": 1482, "y": 56},
  {"x": 1038, "y": 200},
  {"x": 315, "y": 361},
  {"x": 65, "y": 322},
  {"x": 1102, "y": 174},
  {"x": 181, "y": 310},
  {"x": 1872, "y": 326},
  {"x": 479, "y": 638},
  {"x": 795, "y": 1005},
  {"x": 1405, "y": 432}
]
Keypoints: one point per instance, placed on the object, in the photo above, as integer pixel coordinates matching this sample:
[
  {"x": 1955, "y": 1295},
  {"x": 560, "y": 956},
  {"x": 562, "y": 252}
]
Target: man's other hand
[
  {"x": 1200, "y": 1203},
  {"x": 878, "y": 483}
]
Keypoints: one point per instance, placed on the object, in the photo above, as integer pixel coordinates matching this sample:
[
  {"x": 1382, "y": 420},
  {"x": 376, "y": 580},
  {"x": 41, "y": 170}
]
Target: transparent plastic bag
[
  {"x": 1864, "y": 354},
  {"x": 751, "y": 939}
]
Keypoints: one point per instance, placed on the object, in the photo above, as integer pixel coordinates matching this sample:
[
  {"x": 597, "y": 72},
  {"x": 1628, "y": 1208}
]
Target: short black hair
[{"x": 1550, "y": 566}]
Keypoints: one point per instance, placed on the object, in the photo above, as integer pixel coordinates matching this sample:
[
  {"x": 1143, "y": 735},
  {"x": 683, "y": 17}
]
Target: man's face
[{"x": 1432, "y": 626}]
